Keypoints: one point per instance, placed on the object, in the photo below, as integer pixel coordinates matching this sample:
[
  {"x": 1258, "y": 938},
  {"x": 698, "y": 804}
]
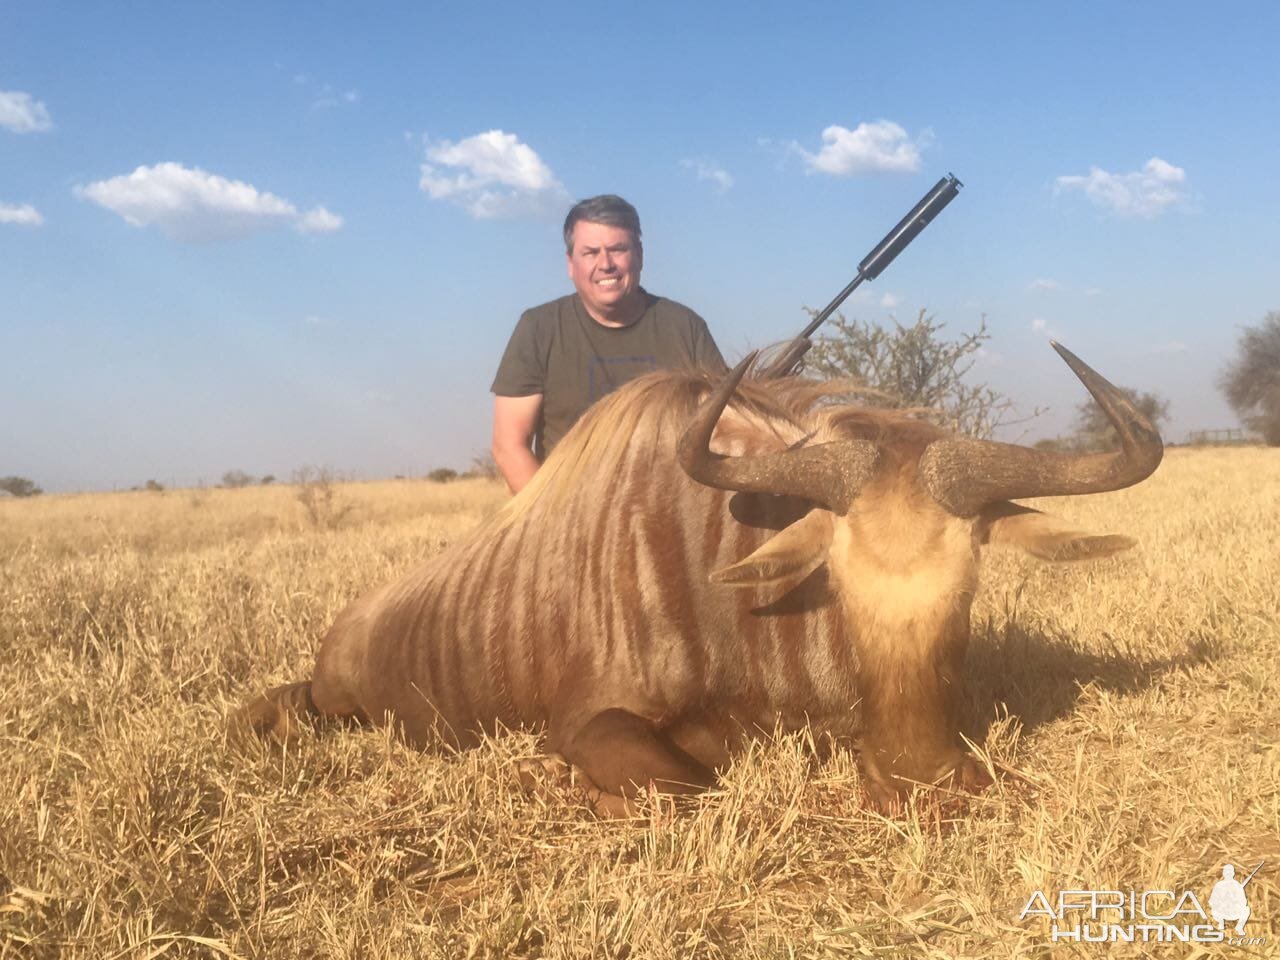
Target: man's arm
[
  {"x": 706, "y": 354},
  {"x": 514, "y": 421}
]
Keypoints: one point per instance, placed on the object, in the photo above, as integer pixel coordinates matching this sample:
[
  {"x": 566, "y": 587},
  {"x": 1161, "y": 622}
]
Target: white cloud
[
  {"x": 708, "y": 170},
  {"x": 493, "y": 176},
  {"x": 24, "y": 215},
  {"x": 1172, "y": 346},
  {"x": 889, "y": 301},
  {"x": 328, "y": 97},
  {"x": 879, "y": 147},
  {"x": 319, "y": 220},
  {"x": 189, "y": 204},
  {"x": 1142, "y": 193},
  {"x": 20, "y": 114},
  {"x": 1041, "y": 325},
  {"x": 1041, "y": 283},
  {"x": 323, "y": 96},
  {"x": 1093, "y": 292}
]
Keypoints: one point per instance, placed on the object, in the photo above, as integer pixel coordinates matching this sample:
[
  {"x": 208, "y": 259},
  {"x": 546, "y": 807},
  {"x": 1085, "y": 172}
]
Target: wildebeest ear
[
  {"x": 795, "y": 552},
  {"x": 1043, "y": 536}
]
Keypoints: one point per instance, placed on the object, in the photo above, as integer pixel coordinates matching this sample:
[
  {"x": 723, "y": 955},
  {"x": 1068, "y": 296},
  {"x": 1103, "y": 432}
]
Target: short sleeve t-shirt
[{"x": 559, "y": 351}]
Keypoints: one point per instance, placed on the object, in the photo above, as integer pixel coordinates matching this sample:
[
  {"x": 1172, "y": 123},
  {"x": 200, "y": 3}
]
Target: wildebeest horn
[
  {"x": 829, "y": 474},
  {"x": 966, "y": 475}
]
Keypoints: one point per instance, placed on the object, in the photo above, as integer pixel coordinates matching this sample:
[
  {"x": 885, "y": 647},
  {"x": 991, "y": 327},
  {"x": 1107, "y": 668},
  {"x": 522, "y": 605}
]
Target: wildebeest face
[{"x": 901, "y": 517}]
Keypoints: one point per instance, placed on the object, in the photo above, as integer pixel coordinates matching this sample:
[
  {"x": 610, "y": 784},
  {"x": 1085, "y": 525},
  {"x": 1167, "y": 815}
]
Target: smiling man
[{"x": 567, "y": 354}]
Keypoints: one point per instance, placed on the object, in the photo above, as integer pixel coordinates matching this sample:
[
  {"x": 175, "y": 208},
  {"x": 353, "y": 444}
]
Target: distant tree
[
  {"x": 19, "y": 487},
  {"x": 317, "y": 492},
  {"x": 235, "y": 479},
  {"x": 153, "y": 485},
  {"x": 1054, "y": 445},
  {"x": 483, "y": 465},
  {"x": 914, "y": 366},
  {"x": 442, "y": 475},
  {"x": 268, "y": 480},
  {"x": 1251, "y": 382},
  {"x": 1092, "y": 429}
]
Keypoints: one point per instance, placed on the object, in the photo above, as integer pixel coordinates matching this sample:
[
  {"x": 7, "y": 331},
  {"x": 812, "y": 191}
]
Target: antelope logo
[{"x": 1148, "y": 916}]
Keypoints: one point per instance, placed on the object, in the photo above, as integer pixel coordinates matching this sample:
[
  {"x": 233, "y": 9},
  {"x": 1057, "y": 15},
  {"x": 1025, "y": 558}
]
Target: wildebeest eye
[{"x": 767, "y": 511}]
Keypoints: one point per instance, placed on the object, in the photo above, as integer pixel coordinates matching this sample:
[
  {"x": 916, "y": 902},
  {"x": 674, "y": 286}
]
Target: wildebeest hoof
[
  {"x": 969, "y": 776},
  {"x": 552, "y": 775},
  {"x": 610, "y": 806},
  {"x": 541, "y": 775},
  {"x": 276, "y": 715},
  {"x": 264, "y": 719},
  {"x": 884, "y": 799}
]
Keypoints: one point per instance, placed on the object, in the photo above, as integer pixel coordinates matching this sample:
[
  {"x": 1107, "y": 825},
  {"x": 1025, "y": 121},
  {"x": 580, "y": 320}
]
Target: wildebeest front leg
[{"x": 621, "y": 754}]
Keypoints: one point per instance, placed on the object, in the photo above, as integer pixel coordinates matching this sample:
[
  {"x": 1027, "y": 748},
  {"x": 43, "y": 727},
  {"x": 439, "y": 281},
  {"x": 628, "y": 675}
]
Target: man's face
[{"x": 604, "y": 266}]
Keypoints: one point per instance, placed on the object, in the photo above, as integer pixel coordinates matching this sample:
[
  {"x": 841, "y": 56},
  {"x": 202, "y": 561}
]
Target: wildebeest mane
[{"x": 655, "y": 409}]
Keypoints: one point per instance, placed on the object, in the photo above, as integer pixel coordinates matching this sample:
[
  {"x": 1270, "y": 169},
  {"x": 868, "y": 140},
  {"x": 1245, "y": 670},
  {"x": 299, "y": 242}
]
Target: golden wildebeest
[{"x": 637, "y": 601}]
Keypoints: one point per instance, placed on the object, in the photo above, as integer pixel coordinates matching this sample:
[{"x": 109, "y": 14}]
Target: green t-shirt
[{"x": 559, "y": 351}]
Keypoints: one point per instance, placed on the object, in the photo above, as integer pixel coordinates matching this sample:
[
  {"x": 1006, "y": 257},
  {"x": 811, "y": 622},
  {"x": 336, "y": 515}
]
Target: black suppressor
[{"x": 894, "y": 242}]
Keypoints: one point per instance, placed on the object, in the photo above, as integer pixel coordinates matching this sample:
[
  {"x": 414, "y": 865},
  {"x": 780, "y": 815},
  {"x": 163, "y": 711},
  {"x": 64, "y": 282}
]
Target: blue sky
[{"x": 245, "y": 236}]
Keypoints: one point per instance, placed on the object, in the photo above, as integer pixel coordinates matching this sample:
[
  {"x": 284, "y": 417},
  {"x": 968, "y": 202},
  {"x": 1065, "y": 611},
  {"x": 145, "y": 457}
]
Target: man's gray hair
[{"x": 609, "y": 209}]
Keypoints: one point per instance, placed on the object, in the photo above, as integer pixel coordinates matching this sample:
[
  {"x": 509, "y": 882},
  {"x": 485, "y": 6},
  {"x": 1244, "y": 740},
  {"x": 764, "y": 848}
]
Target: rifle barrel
[{"x": 894, "y": 242}]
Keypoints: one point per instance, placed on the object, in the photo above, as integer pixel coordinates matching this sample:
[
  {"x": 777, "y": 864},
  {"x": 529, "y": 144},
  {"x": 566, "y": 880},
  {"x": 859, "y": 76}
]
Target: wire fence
[{"x": 1219, "y": 437}]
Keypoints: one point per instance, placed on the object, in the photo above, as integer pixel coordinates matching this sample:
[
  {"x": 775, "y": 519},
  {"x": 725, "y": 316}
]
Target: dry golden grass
[{"x": 1138, "y": 699}]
